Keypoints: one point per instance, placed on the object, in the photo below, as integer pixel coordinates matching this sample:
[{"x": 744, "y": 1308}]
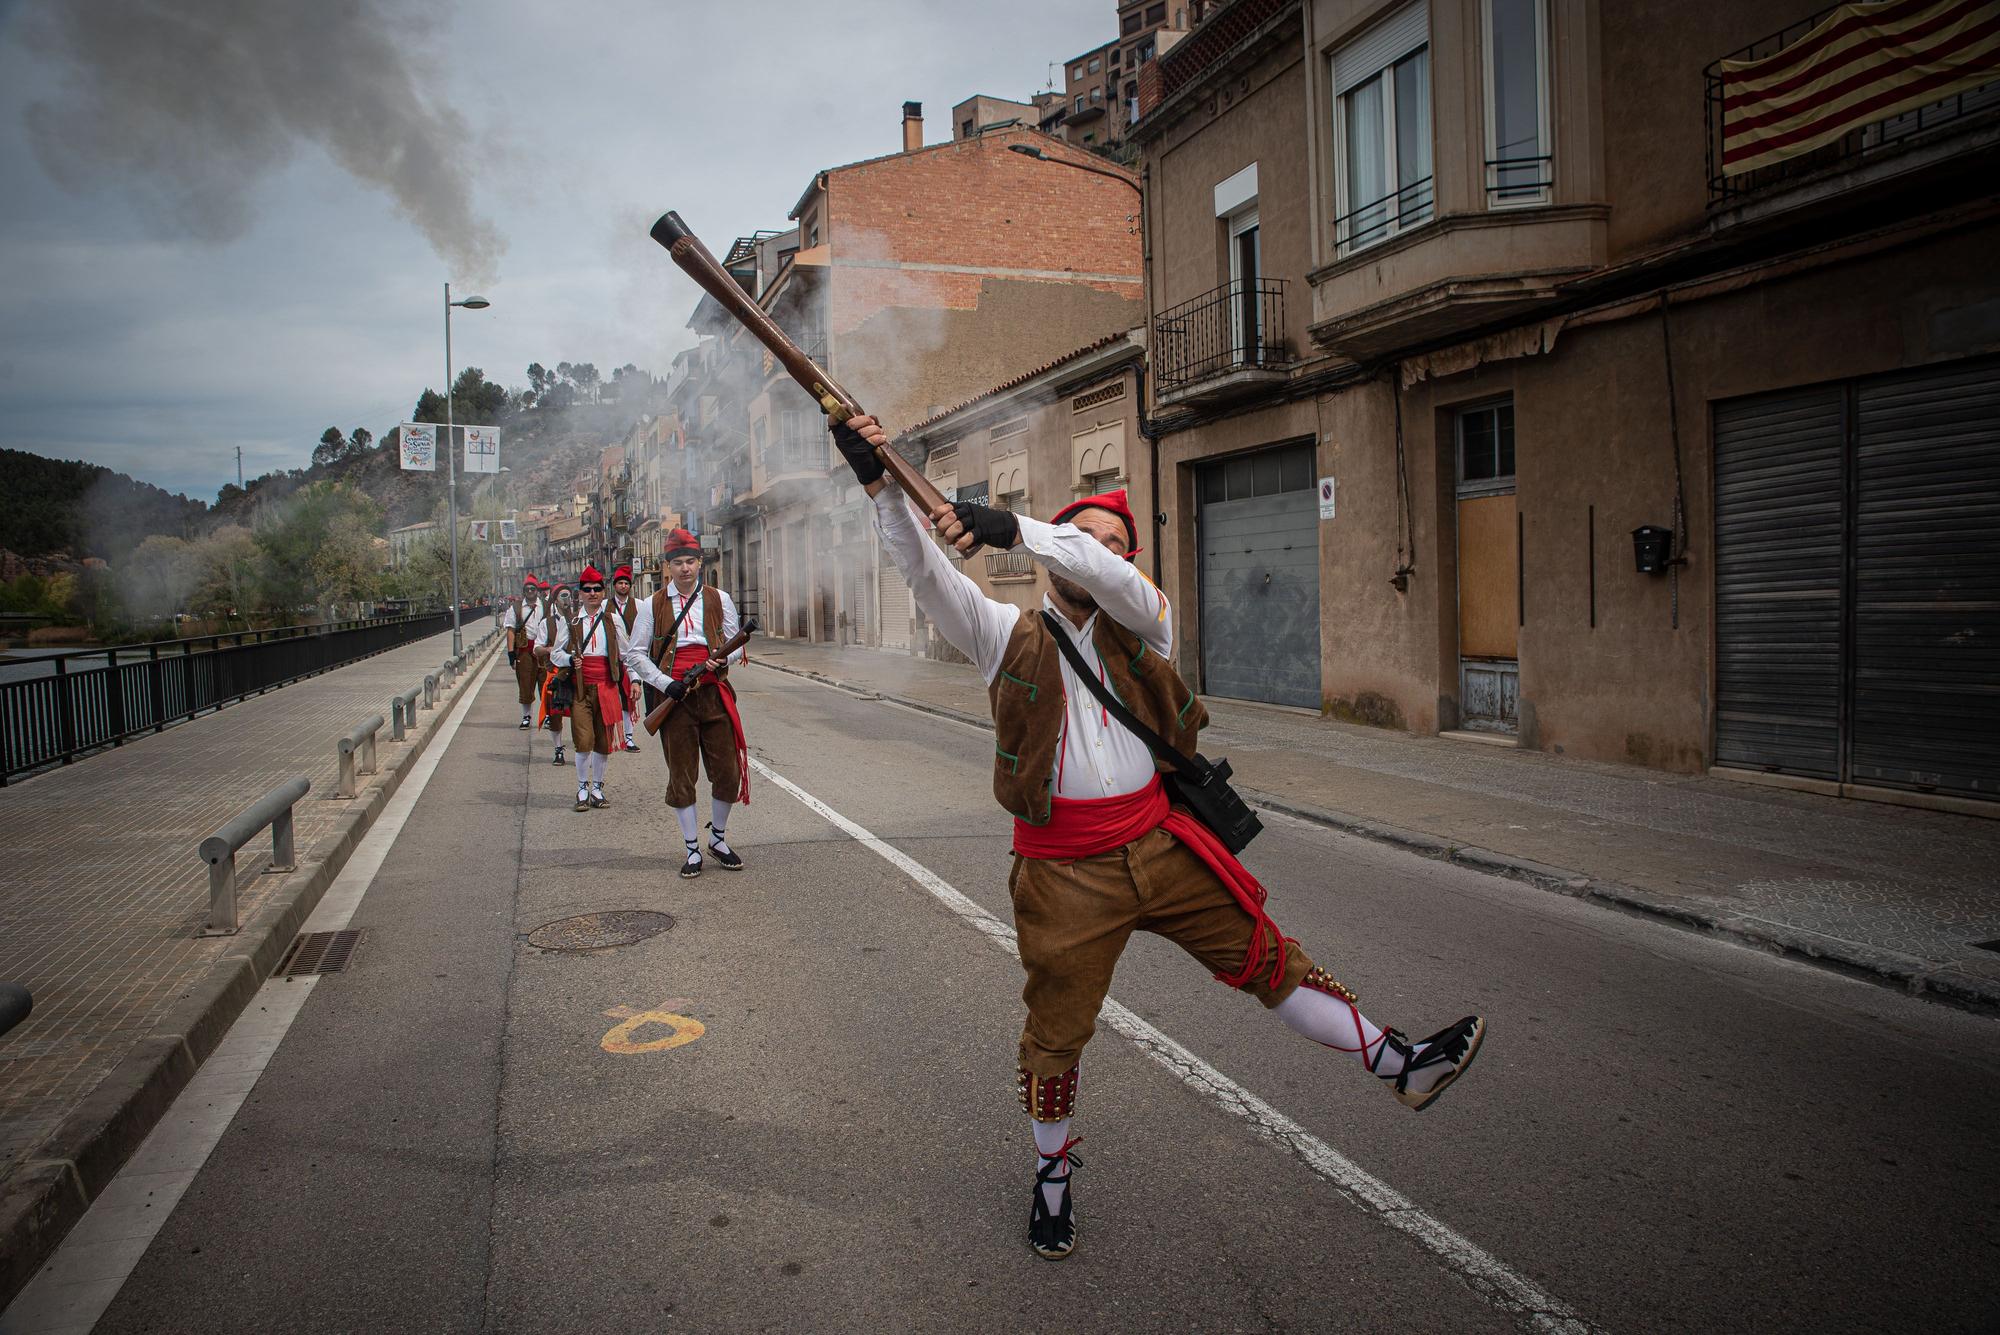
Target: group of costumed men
[
  {"x": 1099, "y": 849},
  {"x": 587, "y": 660}
]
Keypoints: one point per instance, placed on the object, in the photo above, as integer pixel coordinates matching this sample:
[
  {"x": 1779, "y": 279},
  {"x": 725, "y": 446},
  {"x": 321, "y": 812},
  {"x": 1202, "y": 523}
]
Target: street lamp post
[
  {"x": 451, "y": 460},
  {"x": 1030, "y": 151}
]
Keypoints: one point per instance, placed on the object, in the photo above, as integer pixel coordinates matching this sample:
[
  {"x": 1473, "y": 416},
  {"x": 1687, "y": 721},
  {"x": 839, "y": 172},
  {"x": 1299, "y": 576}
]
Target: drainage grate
[
  {"x": 1987, "y": 945},
  {"x": 320, "y": 952}
]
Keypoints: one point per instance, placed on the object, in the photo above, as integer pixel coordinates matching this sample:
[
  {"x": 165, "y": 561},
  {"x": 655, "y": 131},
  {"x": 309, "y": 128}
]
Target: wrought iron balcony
[
  {"x": 1747, "y": 157},
  {"x": 1222, "y": 342},
  {"x": 1380, "y": 219},
  {"x": 1010, "y": 565}
]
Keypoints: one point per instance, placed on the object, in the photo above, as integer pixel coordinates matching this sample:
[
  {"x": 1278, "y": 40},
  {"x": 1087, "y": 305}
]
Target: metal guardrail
[
  {"x": 1238, "y": 326},
  {"x": 93, "y": 698},
  {"x": 358, "y": 743},
  {"x": 219, "y": 849}
]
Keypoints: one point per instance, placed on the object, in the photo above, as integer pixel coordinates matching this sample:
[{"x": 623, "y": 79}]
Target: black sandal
[
  {"x": 692, "y": 867},
  {"x": 726, "y": 858},
  {"x": 1454, "y": 1046},
  {"x": 1052, "y": 1233}
]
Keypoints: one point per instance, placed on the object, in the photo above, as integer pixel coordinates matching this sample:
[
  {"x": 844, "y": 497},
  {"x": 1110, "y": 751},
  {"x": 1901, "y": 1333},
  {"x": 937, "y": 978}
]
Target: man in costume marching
[
  {"x": 592, "y": 649},
  {"x": 1098, "y": 850},
  {"x": 682, "y": 627},
  {"x": 627, "y": 608},
  {"x": 556, "y": 688},
  {"x": 517, "y": 623}
]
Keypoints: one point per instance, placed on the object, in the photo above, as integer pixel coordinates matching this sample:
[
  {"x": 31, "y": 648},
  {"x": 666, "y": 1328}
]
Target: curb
[
  {"x": 45, "y": 1195},
  {"x": 1909, "y": 974}
]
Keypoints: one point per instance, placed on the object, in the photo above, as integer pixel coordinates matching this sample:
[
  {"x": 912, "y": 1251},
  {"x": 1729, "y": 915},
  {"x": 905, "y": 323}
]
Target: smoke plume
[{"x": 198, "y": 101}]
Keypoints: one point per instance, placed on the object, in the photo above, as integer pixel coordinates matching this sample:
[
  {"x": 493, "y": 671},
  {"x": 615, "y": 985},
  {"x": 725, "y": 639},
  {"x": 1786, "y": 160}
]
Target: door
[
  {"x": 892, "y": 596},
  {"x": 1246, "y": 265},
  {"x": 1259, "y": 543},
  {"x": 1858, "y": 581},
  {"x": 1489, "y": 570}
]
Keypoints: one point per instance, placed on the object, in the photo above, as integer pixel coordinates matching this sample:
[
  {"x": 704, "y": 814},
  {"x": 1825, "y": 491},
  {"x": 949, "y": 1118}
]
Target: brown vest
[
  {"x": 663, "y": 617},
  {"x": 1027, "y": 700},
  {"x": 614, "y": 666},
  {"x": 628, "y": 611}
]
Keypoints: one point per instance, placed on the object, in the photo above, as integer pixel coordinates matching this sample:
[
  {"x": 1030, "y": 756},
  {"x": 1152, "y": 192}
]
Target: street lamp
[
  {"x": 1030, "y": 151},
  {"x": 451, "y": 458}
]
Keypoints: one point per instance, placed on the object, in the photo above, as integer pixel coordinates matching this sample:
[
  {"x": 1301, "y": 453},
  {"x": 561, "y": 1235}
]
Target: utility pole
[{"x": 239, "y": 468}]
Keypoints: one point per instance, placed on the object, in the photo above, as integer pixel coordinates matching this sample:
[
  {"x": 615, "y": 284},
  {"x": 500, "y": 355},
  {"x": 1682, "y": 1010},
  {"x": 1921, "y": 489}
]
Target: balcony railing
[
  {"x": 1237, "y": 327},
  {"x": 1010, "y": 565},
  {"x": 1858, "y": 143},
  {"x": 1519, "y": 180},
  {"x": 1380, "y": 219},
  {"x": 802, "y": 453}
]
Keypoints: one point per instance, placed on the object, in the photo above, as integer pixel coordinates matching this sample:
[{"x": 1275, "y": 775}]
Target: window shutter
[{"x": 1381, "y": 46}]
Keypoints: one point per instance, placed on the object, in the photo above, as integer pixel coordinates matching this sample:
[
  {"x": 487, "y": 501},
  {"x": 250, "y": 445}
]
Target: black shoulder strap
[
  {"x": 1154, "y": 742},
  {"x": 667, "y": 642}
]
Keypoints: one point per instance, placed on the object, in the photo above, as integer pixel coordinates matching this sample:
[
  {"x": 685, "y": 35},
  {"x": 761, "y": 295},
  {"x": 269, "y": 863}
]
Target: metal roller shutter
[
  {"x": 1926, "y": 656},
  {"x": 1260, "y": 578},
  {"x": 1779, "y": 523},
  {"x": 892, "y": 595}
]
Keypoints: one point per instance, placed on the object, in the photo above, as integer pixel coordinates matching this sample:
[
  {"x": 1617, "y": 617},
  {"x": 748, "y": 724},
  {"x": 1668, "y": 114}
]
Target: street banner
[
  {"x": 482, "y": 449},
  {"x": 507, "y": 530},
  {"x": 418, "y": 446},
  {"x": 516, "y": 548},
  {"x": 479, "y": 529},
  {"x": 1862, "y": 63}
]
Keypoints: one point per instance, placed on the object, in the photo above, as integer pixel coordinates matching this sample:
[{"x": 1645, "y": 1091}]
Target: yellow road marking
[{"x": 619, "y": 1037}]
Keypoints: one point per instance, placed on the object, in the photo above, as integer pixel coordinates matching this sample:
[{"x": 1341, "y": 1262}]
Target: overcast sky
[{"x": 237, "y": 234}]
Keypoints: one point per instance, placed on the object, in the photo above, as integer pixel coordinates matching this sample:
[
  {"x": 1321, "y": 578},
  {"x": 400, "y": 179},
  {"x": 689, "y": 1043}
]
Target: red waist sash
[
  {"x": 596, "y": 672},
  {"x": 686, "y": 658},
  {"x": 1089, "y": 826}
]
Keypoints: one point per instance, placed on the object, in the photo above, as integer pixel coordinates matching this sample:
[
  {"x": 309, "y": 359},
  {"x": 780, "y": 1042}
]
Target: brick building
[
  {"x": 918, "y": 279},
  {"x": 1487, "y": 268}
]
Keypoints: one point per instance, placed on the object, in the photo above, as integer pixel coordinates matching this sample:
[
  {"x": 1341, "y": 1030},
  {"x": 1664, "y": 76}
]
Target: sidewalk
[
  {"x": 103, "y": 899},
  {"x": 1899, "y": 895}
]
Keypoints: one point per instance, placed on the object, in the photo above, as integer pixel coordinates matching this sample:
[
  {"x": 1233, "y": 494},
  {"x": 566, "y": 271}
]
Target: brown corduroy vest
[
  {"x": 663, "y": 617},
  {"x": 1027, "y": 699},
  {"x": 614, "y": 665}
]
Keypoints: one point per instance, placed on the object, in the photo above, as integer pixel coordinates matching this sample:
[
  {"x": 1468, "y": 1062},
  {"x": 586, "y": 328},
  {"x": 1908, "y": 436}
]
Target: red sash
[
  {"x": 686, "y": 658},
  {"x": 1085, "y": 827},
  {"x": 597, "y": 677}
]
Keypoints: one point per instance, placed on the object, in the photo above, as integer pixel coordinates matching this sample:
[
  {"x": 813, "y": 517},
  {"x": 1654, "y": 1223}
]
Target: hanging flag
[
  {"x": 417, "y": 442},
  {"x": 479, "y": 530},
  {"x": 507, "y": 530},
  {"x": 1864, "y": 63},
  {"x": 516, "y": 549},
  {"x": 482, "y": 449}
]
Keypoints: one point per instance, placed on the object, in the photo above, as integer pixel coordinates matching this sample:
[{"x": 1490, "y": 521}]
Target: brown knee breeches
[
  {"x": 525, "y": 676},
  {"x": 1074, "y": 918},
  {"x": 588, "y": 731},
  {"x": 698, "y": 732}
]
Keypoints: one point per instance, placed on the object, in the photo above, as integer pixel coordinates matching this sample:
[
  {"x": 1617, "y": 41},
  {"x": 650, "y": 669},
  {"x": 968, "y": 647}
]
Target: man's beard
[{"x": 1073, "y": 593}]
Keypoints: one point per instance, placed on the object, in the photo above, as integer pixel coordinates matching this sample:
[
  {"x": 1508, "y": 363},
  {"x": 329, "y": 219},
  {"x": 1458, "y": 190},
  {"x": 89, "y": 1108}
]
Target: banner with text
[
  {"x": 417, "y": 443},
  {"x": 482, "y": 449}
]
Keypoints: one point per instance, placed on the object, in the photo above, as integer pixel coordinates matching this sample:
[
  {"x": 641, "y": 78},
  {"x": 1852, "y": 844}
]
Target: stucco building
[{"x": 1448, "y": 298}]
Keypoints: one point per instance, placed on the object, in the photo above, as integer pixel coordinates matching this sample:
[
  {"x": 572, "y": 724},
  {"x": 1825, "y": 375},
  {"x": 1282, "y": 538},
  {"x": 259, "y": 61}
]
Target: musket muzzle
[{"x": 670, "y": 229}]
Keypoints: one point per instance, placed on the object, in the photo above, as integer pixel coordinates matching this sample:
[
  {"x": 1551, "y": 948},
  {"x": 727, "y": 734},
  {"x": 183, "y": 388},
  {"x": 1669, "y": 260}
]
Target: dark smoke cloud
[{"x": 198, "y": 101}]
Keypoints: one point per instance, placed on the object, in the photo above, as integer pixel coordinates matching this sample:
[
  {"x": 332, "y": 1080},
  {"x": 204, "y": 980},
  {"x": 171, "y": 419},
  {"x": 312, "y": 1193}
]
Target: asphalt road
[{"x": 466, "y": 1132}]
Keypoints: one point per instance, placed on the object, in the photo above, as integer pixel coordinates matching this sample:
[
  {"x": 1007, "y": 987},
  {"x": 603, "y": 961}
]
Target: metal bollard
[
  {"x": 219, "y": 850},
  {"x": 430, "y": 690},
  {"x": 362, "y": 740},
  {"x": 408, "y": 701},
  {"x": 396, "y": 719}
]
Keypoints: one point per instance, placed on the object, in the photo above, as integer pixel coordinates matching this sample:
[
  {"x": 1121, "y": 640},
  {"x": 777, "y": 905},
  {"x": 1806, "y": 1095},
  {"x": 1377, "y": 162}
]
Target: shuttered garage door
[
  {"x": 1858, "y": 581},
  {"x": 1260, "y": 577}
]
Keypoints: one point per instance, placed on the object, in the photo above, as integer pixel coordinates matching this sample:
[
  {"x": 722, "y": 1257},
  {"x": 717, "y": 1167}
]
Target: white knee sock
[
  {"x": 690, "y": 825},
  {"x": 1050, "y": 1137},
  {"x": 1338, "y": 1025},
  {"x": 719, "y": 817},
  {"x": 582, "y": 768}
]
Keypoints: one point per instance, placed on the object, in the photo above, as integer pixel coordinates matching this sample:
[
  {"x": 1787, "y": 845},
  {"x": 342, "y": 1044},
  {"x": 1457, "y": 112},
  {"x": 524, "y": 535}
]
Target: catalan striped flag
[{"x": 1864, "y": 63}]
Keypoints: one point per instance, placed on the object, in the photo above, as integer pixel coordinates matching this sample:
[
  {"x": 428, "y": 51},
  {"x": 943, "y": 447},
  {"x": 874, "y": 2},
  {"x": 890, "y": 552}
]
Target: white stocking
[
  {"x": 597, "y": 769},
  {"x": 690, "y": 825},
  {"x": 1338, "y": 1025},
  {"x": 1050, "y": 1137},
  {"x": 582, "y": 768},
  {"x": 719, "y": 816}
]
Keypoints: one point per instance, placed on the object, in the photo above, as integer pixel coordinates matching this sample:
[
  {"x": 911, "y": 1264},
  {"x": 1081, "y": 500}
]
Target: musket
[
  {"x": 695, "y": 259},
  {"x": 694, "y": 675}
]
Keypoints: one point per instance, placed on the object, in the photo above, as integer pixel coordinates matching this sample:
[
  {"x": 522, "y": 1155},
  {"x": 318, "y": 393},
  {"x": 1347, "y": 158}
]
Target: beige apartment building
[
  {"x": 918, "y": 279},
  {"x": 1589, "y": 378}
]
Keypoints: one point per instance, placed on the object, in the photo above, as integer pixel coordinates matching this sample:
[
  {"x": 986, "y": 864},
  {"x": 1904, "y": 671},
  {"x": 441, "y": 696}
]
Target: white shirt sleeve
[
  {"x": 976, "y": 625},
  {"x": 1121, "y": 589},
  {"x": 731, "y": 624},
  {"x": 636, "y": 650}
]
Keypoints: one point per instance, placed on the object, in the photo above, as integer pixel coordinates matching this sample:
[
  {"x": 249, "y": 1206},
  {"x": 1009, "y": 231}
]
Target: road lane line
[
  {"x": 74, "y": 1288},
  {"x": 1500, "y": 1284}
]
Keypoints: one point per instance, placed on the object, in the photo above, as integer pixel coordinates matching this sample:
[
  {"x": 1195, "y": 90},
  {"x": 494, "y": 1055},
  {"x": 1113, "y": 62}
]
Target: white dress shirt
[
  {"x": 636, "y": 650},
  {"x": 594, "y": 646},
  {"x": 1098, "y": 756}
]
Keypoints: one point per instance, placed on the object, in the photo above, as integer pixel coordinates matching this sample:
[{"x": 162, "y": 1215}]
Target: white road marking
[
  {"x": 70, "y": 1292},
  {"x": 1500, "y": 1284}
]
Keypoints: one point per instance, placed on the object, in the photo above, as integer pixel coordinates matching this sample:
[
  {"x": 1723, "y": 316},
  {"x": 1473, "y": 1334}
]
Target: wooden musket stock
[
  {"x": 696, "y": 675},
  {"x": 694, "y": 258}
]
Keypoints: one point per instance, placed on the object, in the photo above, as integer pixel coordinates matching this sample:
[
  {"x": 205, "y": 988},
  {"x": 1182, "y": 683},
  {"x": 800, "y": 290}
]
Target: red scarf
[
  {"x": 1086, "y": 827},
  {"x": 686, "y": 658}
]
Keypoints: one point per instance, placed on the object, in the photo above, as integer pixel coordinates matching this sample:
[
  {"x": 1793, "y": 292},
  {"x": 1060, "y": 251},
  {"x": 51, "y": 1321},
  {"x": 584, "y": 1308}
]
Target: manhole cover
[{"x": 600, "y": 931}]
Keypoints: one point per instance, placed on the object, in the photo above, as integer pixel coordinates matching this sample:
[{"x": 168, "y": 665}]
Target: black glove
[
  {"x": 860, "y": 455},
  {"x": 997, "y": 529},
  {"x": 676, "y": 688},
  {"x": 510, "y": 658}
]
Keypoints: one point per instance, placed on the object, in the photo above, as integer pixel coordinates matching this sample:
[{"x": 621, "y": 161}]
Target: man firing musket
[{"x": 684, "y": 627}]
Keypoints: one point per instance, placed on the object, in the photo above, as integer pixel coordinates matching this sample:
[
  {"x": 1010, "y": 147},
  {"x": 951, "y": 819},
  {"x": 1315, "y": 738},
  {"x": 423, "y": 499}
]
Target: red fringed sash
[
  {"x": 597, "y": 677},
  {"x": 1086, "y": 827},
  {"x": 689, "y": 656}
]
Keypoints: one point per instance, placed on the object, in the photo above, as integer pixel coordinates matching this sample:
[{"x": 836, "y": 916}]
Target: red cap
[
  {"x": 622, "y": 572},
  {"x": 530, "y": 582},
  {"x": 682, "y": 543},
  {"x": 1115, "y": 502},
  {"x": 591, "y": 575}
]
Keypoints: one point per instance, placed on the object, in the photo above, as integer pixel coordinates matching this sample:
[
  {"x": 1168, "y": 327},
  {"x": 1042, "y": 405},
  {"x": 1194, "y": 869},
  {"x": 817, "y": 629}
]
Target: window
[
  {"x": 1016, "y": 501},
  {"x": 1382, "y": 131},
  {"x": 1486, "y": 448},
  {"x": 1157, "y": 14},
  {"x": 1095, "y": 64},
  {"x": 1090, "y": 139},
  {"x": 1246, "y": 263},
  {"x": 1129, "y": 24},
  {"x": 1075, "y": 73},
  {"x": 965, "y": 129},
  {"x": 1096, "y": 484},
  {"x": 1097, "y": 93},
  {"x": 1143, "y": 52},
  {"x": 1517, "y": 118},
  {"x": 1079, "y": 104}
]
